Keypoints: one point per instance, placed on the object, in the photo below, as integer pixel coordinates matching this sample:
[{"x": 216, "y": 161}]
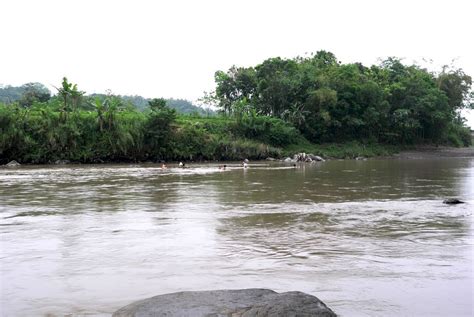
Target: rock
[
  {"x": 289, "y": 160},
  {"x": 246, "y": 161},
  {"x": 62, "y": 162},
  {"x": 270, "y": 159},
  {"x": 452, "y": 201},
  {"x": 316, "y": 158},
  {"x": 237, "y": 303},
  {"x": 360, "y": 158},
  {"x": 300, "y": 157},
  {"x": 13, "y": 164}
]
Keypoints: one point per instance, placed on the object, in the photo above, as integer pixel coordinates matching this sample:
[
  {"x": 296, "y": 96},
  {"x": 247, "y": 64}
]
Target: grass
[{"x": 348, "y": 150}]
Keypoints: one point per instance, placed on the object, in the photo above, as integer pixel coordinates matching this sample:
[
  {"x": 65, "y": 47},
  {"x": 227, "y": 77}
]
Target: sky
[{"x": 172, "y": 49}]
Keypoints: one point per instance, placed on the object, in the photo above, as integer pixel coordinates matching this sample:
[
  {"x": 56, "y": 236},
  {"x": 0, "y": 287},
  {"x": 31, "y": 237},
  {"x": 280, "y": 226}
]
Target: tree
[
  {"x": 157, "y": 104},
  {"x": 158, "y": 127},
  {"x": 70, "y": 97},
  {"x": 457, "y": 87},
  {"x": 34, "y": 92},
  {"x": 329, "y": 101}
]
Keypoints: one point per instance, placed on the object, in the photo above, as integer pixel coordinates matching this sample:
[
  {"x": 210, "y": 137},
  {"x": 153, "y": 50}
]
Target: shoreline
[
  {"x": 416, "y": 153},
  {"x": 430, "y": 152}
]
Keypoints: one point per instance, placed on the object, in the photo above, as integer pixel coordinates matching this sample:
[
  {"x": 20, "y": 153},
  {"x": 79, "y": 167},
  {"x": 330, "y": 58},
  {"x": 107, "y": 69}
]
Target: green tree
[
  {"x": 457, "y": 87},
  {"x": 34, "y": 92},
  {"x": 70, "y": 96},
  {"x": 158, "y": 127}
]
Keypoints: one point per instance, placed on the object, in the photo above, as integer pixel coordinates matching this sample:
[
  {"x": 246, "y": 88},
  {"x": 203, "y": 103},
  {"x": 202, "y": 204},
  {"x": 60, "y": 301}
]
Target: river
[{"x": 369, "y": 238}]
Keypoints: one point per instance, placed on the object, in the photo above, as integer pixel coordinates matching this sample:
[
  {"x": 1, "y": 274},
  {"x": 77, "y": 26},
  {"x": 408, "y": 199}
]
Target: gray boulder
[
  {"x": 452, "y": 201},
  {"x": 316, "y": 158},
  {"x": 62, "y": 162},
  {"x": 308, "y": 158},
  {"x": 13, "y": 164},
  {"x": 300, "y": 157},
  {"x": 223, "y": 303}
]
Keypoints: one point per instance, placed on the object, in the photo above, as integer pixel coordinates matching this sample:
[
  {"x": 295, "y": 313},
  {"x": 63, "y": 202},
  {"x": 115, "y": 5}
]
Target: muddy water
[{"x": 369, "y": 238}]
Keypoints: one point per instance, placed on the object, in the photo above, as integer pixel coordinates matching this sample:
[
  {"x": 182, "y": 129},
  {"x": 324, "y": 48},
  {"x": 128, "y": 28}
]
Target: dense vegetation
[
  {"x": 281, "y": 106},
  {"x": 332, "y": 102},
  {"x": 66, "y": 127}
]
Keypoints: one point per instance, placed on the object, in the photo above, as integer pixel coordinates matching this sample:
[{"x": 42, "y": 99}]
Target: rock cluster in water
[
  {"x": 236, "y": 303},
  {"x": 303, "y": 157}
]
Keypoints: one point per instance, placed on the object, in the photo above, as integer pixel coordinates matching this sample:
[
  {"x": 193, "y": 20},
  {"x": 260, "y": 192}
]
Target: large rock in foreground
[
  {"x": 452, "y": 201},
  {"x": 235, "y": 303}
]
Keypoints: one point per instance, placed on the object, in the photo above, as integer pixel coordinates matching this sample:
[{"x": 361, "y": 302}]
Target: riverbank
[
  {"x": 326, "y": 151},
  {"x": 45, "y": 134},
  {"x": 359, "y": 151},
  {"x": 348, "y": 150},
  {"x": 428, "y": 152}
]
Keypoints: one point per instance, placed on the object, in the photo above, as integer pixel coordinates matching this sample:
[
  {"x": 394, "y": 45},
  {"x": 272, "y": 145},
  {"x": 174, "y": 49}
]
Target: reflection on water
[{"x": 369, "y": 238}]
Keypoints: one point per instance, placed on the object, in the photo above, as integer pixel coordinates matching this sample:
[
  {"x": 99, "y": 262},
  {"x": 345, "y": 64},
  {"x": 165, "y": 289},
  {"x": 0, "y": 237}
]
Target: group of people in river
[
  {"x": 222, "y": 167},
  {"x": 180, "y": 165},
  {"x": 245, "y": 164}
]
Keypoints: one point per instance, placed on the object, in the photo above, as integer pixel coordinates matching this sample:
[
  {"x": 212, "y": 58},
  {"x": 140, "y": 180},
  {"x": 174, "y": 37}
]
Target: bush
[
  {"x": 266, "y": 129},
  {"x": 241, "y": 149},
  {"x": 157, "y": 131},
  {"x": 458, "y": 136},
  {"x": 190, "y": 141}
]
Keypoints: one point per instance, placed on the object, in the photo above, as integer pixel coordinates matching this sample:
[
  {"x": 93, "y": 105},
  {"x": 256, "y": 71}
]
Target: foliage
[
  {"x": 113, "y": 133},
  {"x": 332, "y": 102},
  {"x": 349, "y": 150},
  {"x": 105, "y": 128},
  {"x": 157, "y": 128},
  {"x": 185, "y": 106},
  {"x": 301, "y": 104},
  {"x": 26, "y": 94}
]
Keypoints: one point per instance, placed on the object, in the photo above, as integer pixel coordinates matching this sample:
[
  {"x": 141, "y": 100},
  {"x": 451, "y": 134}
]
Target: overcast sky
[{"x": 172, "y": 48}]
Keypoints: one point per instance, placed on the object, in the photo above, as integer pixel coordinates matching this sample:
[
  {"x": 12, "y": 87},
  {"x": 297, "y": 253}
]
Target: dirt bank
[{"x": 426, "y": 152}]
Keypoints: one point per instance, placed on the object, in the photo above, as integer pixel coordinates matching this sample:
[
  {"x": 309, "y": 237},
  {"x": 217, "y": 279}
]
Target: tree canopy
[
  {"x": 329, "y": 101},
  {"x": 25, "y": 94}
]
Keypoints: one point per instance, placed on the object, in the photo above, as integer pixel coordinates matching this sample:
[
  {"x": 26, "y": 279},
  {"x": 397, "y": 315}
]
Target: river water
[{"x": 369, "y": 238}]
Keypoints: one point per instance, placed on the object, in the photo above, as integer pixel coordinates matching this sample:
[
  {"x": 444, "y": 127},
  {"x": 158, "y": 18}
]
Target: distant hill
[
  {"x": 25, "y": 94},
  {"x": 10, "y": 94},
  {"x": 185, "y": 106},
  {"x": 181, "y": 105}
]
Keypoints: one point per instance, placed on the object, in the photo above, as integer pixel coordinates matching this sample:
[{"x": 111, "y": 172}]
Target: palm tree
[
  {"x": 70, "y": 96},
  {"x": 296, "y": 114}
]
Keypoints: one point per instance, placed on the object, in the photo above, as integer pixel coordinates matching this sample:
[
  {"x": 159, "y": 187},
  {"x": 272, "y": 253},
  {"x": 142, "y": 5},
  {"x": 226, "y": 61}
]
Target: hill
[{"x": 25, "y": 94}]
